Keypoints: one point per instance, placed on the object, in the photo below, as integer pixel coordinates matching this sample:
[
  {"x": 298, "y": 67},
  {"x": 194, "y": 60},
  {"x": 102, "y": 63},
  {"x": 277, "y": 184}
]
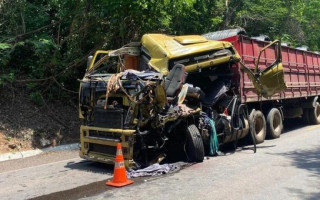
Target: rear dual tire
[
  {"x": 257, "y": 126},
  {"x": 274, "y": 123}
]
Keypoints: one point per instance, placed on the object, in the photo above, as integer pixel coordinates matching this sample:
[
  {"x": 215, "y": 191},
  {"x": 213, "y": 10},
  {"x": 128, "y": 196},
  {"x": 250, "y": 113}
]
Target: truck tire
[
  {"x": 258, "y": 126},
  {"x": 314, "y": 114},
  {"x": 194, "y": 144},
  {"x": 274, "y": 123}
]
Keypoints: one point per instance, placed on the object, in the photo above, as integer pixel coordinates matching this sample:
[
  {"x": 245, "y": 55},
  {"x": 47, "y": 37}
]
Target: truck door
[{"x": 270, "y": 80}]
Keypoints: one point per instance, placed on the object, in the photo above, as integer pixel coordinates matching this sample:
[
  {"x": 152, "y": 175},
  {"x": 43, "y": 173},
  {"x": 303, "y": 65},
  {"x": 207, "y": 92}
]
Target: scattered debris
[{"x": 156, "y": 170}]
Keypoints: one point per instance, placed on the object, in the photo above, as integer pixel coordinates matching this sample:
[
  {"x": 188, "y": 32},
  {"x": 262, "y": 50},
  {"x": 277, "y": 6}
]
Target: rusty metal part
[
  {"x": 134, "y": 51},
  {"x": 112, "y": 86},
  {"x": 180, "y": 110}
]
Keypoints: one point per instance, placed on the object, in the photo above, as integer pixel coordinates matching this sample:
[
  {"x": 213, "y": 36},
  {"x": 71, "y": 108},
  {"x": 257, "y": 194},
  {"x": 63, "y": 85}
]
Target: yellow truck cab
[{"x": 160, "y": 97}]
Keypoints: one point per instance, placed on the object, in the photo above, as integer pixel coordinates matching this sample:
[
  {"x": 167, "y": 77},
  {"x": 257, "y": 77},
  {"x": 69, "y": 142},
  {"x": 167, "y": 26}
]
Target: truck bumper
[{"x": 99, "y": 144}]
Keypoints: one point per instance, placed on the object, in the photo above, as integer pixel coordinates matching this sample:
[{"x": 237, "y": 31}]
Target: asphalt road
[{"x": 285, "y": 168}]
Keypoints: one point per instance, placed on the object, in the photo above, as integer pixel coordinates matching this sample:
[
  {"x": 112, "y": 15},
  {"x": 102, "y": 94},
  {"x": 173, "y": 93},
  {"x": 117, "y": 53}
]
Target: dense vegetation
[{"x": 44, "y": 43}]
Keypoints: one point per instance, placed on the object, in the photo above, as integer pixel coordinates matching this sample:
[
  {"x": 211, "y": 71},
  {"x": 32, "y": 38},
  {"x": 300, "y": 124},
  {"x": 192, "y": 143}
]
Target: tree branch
[
  {"x": 62, "y": 87},
  {"x": 69, "y": 66},
  {"x": 36, "y": 30}
]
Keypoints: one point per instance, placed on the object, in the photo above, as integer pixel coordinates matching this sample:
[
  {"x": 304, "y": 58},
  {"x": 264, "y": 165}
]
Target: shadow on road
[
  {"x": 307, "y": 160},
  {"x": 292, "y": 124},
  {"x": 245, "y": 144},
  {"x": 89, "y": 166}
]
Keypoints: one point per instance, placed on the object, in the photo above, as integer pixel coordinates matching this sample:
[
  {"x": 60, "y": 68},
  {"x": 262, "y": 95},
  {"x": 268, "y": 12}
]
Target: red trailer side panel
[{"x": 301, "y": 68}]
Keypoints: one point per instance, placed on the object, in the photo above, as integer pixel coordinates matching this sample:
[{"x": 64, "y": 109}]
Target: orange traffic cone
[{"x": 119, "y": 174}]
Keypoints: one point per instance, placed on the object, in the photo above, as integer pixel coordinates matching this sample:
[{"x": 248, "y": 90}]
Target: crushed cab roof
[{"x": 162, "y": 48}]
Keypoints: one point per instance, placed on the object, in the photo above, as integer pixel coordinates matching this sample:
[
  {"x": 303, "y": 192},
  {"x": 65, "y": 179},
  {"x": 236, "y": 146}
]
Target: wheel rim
[
  {"x": 276, "y": 122},
  {"x": 258, "y": 126}
]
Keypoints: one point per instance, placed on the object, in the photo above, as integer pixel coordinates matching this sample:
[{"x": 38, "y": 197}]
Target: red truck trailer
[{"x": 301, "y": 75}]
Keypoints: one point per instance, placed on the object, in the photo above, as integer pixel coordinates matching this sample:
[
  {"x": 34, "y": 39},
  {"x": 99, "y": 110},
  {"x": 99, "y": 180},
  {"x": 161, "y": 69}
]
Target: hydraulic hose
[{"x": 233, "y": 112}]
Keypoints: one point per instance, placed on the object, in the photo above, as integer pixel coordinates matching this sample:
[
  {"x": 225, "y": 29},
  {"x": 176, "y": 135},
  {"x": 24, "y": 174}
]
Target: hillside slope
[{"x": 25, "y": 125}]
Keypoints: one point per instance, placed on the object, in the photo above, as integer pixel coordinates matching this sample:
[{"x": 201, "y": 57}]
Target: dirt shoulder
[{"x": 25, "y": 125}]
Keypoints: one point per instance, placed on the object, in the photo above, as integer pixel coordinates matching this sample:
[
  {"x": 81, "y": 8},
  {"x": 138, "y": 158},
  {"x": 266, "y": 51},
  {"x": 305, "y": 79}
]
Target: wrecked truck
[{"x": 174, "y": 95}]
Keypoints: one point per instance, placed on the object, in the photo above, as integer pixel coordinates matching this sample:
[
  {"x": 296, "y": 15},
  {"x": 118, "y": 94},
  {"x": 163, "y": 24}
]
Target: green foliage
[
  {"x": 31, "y": 86},
  {"x": 4, "y": 78},
  {"x": 36, "y": 98},
  {"x": 52, "y": 38},
  {"x": 4, "y": 53},
  {"x": 4, "y": 46},
  {"x": 291, "y": 19}
]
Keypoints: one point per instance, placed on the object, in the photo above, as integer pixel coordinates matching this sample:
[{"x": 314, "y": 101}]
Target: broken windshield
[{"x": 103, "y": 64}]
